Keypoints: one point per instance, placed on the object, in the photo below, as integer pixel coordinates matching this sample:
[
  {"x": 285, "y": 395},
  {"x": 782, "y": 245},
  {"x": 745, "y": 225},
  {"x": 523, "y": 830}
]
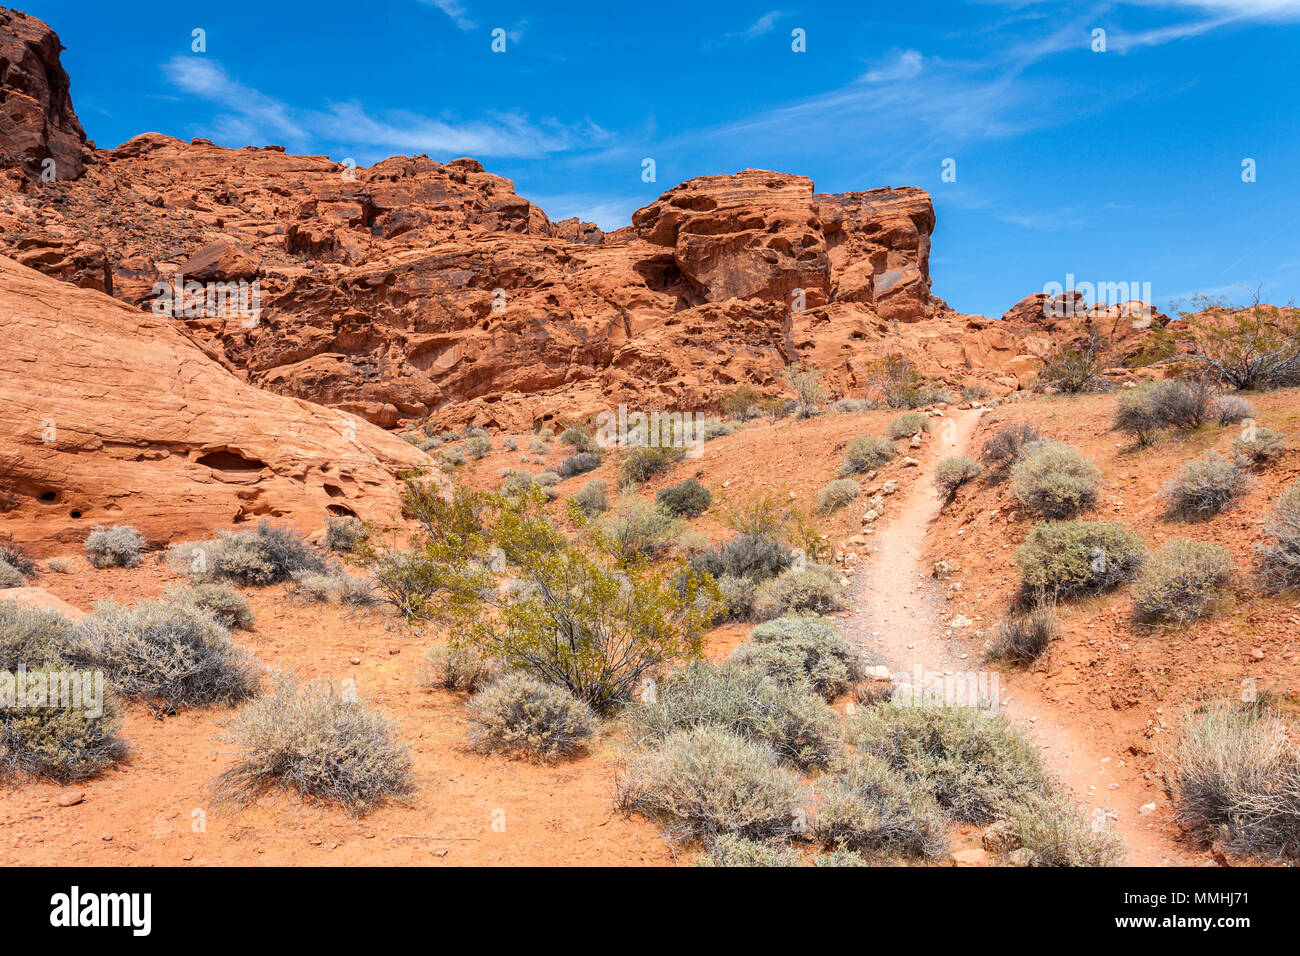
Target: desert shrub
[
  {"x": 538, "y": 446},
  {"x": 1006, "y": 447},
  {"x": 1280, "y": 560},
  {"x": 741, "y": 403},
  {"x": 870, "y": 808},
  {"x": 738, "y": 594},
  {"x": 477, "y": 446},
  {"x": 974, "y": 391},
  {"x": 1081, "y": 365},
  {"x": 59, "y": 565},
  {"x": 314, "y": 741},
  {"x": 1231, "y": 409},
  {"x": 115, "y": 547},
  {"x": 17, "y": 557},
  {"x": 896, "y": 380},
  {"x": 457, "y": 667},
  {"x": 171, "y": 655},
  {"x": 227, "y": 605},
  {"x": 789, "y": 718},
  {"x": 333, "y": 587},
  {"x": 1186, "y": 403},
  {"x": 705, "y": 781},
  {"x": 1054, "y": 480},
  {"x": 1070, "y": 558},
  {"x": 473, "y": 431},
  {"x": 642, "y": 530},
  {"x": 269, "y": 555},
  {"x": 836, "y": 495},
  {"x": 1024, "y": 638},
  {"x": 799, "y": 649},
  {"x": 1204, "y": 487},
  {"x": 708, "y": 429},
  {"x": 343, "y": 532},
  {"x": 453, "y": 457},
  {"x": 1257, "y": 445},
  {"x": 687, "y": 499},
  {"x": 62, "y": 743},
  {"x": 580, "y": 440},
  {"x": 850, "y": 405},
  {"x": 9, "y": 577},
  {"x": 951, "y": 473},
  {"x": 645, "y": 462},
  {"x": 1057, "y": 833},
  {"x": 1237, "y": 778},
  {"x": 432, "y": 443},
  {"x": 808, "y": 385},
  {"x": 729, "y": 850},
  {"x": 753, "y": 555},
  {"x": 579, "y": 464},
  {"x": 519, "y": 715},
  {"x": 31, "y": 636},
  {"x": 907, "y": 424},
  {"x": 1181, "y": 582},
  {"x": 813, "y": 589},
  {"x": 840, "y": 856},
  {"x": 509, "y": 443},
  {"x": 591, "y": 498},
  {"x": 866, "y": 453},
  {"x": 1246, "y": 348},
  {"x": 1136, "y": 413},
  {"x": 975, "y": 765}
]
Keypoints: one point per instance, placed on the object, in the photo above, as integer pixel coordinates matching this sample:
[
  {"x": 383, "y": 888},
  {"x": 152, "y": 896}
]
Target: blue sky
[{"x": 1123, "y": 165}]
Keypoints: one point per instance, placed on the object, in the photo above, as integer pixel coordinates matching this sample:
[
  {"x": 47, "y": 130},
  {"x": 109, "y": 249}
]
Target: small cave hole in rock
[
  {"x": 50, "y": 496},
  {"x": 226, "y": 460},
  {"x": 74, "y": 514},
  {"x": 343, "y": 511}
]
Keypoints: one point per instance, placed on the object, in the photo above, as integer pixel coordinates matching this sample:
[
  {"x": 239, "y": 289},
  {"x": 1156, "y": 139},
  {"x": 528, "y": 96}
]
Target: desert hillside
[{"x": 400, "y": 524}]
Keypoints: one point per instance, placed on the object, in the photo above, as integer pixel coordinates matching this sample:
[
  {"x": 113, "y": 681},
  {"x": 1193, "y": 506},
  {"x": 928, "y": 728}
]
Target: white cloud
[
  {"x": 455, "y": 10},
  {"x": 250, "y": 116},
  {"x": 903, "y": 65},
  {"x": 762, "y": 25}
]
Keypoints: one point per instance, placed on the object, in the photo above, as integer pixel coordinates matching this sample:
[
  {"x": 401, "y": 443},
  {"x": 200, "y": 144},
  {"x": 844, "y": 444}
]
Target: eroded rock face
[
  {"x": 110, "y": 415},
  {"x": 37, "y": 121}
]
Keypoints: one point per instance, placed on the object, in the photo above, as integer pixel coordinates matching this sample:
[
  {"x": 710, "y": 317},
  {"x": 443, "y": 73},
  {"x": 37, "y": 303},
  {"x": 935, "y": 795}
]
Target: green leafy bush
[
  {"x": 314, "y": 741},
  {"x": 788, "y": 717},
  {"x": 907, "y": 424},
  {"x": 869, "y": 808},
  {"x": 837, "y": 495},
  {"x": 1182, "y": 582},
  {"x": 866, "y": 453},
  {"x": 519, "y": 715},
  {"x": 1054, "y": 480},
  {"x": 171, "y": 655},
  {"x": 706, "y": 781},
  {"x": 1204, "y": 487},
  {"x": 1072, "y": 558},
  {"x": 580, "y": 440},
  {"x": 802, "y": 649},
  {"x": 974, "y": 765},
  {"x": 686, "y": 499}
]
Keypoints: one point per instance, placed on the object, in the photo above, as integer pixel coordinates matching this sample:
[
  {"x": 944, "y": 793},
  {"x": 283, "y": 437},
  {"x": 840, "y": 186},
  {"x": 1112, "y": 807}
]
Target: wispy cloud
[
  {"x": 762, "y": 25},
  {"x": 902, "y": 65},
  {"x": 454, "y": 9},
  {"x": 250, "y": 115}
]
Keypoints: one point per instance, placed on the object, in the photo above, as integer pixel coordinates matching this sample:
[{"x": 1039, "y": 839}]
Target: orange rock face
[
  {"x": 37, "y": 122},
  {"x": 109, "y": 415}
]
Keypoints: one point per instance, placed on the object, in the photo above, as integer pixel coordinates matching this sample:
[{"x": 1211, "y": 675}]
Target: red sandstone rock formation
[{"x": 36, "y": 118}]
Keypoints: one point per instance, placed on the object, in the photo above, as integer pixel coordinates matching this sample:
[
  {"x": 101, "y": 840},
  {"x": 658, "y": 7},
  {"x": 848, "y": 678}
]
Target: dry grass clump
[
  {"x": 171, "y": 655},
  {"x": 591, "y": 498},
  {"x": 837, "y": 495},
  {"x": 1182, "y": 582},
  {"x": 1237, "y": 778},
  {"x": 789, "y": 718},
  {"x": 1024, "y": 638},
  {"x": 1280, "y": 559},
  {"x": 1204, "y": 487},
  {"x": 1057, "y": 833},
  {"x": 976, "y": 766},
  {"x": 907, "y": 424},
  {"x": 871, "y": 809},
  {"x": 457, "y": 667},
  {"x": 521, "y": 716},
  {"x": 115, "y": 547},
  {"x": 333, "y": 586},
  {"x": 866, "y": 453},
  {"x": 10, "y": 577},
  {"x": 1061, "y": 559},
  {"x": 798, "y": 650},
  {"x": 706, "y": 781},
  {"x": 1231, "y": 409},
  {"x": 1055, "y": 480},
  {"x": 313, "y": 740}
]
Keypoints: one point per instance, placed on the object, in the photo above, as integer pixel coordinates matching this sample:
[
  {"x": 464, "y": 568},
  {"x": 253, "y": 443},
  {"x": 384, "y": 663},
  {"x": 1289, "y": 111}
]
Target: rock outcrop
[
  {"x": 110, "y": 415},
  {"x": 37, "y": 122}
]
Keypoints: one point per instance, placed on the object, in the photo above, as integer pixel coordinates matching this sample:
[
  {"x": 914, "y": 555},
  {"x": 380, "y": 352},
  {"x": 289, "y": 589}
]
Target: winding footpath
[{"x": 896, "y": 613}]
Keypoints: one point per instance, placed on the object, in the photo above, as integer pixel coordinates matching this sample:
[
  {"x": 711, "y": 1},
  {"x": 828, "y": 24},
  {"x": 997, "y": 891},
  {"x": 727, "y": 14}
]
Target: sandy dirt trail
[{"x": 897, "y": 612}]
